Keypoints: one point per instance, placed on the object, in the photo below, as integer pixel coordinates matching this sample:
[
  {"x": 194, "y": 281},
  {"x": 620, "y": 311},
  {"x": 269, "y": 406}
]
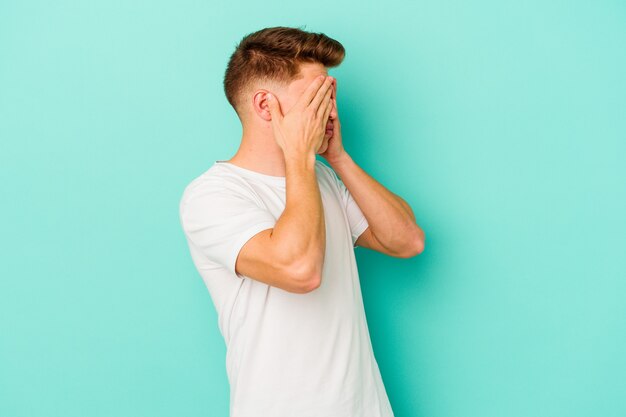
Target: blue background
[{"x": 501, "y": 123}]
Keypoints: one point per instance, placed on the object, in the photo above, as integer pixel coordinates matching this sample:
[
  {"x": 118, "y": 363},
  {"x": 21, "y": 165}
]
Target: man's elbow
[
  {"x": 416, "y": 247},
  {"x": 307, "y": 277},
  {"x": 308, "y": 283}
]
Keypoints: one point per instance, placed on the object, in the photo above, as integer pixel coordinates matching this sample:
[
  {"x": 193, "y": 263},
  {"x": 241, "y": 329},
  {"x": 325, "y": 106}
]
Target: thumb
[{"x": 274, "y": 107}]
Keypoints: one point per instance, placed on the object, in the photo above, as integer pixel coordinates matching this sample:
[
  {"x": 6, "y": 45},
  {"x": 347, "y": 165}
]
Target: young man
[{"x": 272, "y": 232}]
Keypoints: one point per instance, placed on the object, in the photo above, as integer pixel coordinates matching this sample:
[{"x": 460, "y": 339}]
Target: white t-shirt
[{"x": 288, "y": 354}]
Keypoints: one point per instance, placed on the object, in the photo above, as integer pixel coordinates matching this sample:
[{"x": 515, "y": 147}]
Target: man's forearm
[
  {"x": 390, "y": 218},
  {"x": 301, "y": 228}
]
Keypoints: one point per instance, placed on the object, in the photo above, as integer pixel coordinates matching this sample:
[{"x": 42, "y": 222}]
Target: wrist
[
  {"x": 301, "y": 159},
  {"x": 342, "y": 159}
]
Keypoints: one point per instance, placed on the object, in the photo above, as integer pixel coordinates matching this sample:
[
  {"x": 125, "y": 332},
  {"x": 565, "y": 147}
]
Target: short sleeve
[
  {"x": 356, "y": 218},
  {"x": 220, "y": 220}
]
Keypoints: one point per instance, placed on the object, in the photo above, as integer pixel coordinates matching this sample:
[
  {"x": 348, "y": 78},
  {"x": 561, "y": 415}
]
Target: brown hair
[{"x": 274, "y": 55}]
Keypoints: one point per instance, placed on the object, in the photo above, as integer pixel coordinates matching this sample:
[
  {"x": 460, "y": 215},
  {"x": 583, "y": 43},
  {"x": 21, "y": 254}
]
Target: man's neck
[{"x": 260, "y": 154}]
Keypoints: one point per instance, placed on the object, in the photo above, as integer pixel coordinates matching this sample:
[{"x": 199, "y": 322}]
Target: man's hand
[
  {"x": 301, "y": 130},
  {"x": 335, "y": 149}
]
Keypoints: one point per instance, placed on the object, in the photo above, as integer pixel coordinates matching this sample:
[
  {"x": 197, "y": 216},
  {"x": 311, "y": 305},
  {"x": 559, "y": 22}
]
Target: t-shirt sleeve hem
[
  {"x": 243, "y": 239},
  {"x": 358, "y": 230}
]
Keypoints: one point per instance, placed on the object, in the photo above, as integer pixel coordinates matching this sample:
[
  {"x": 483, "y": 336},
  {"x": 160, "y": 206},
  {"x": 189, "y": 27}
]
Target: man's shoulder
[{"x": 214, "y": 181}]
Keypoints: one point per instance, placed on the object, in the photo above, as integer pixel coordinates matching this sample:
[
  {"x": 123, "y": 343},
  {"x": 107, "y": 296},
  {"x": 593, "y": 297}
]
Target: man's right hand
[{"x": 301, "y": 130}]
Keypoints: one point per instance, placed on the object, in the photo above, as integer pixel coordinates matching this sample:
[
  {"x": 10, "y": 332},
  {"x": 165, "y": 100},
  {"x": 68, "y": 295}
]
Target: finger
[
  {"x": 274, "y": 108},
  {"x": 329, "y": 107},
  {"x": 308, "y": 94},
  {"x": 325, "y": 104},
  {"x": 335, "y": 91},
  {"x": 321, "y": 94},
  {"x": 333, "y": 87}
]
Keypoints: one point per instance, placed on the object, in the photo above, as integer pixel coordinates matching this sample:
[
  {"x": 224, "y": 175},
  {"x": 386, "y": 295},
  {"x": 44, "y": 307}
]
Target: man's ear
[{"x": 260, "y": 104}]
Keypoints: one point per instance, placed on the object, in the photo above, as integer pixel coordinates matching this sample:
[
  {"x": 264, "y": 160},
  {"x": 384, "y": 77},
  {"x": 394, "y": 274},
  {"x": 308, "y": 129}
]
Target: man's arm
[
  {"x": 392, "y": 227},
  {"x": 290, "y": 255}
]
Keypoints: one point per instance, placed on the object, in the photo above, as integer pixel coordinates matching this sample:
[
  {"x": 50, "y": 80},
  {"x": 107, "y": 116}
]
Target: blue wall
[{"x": 501, "y": 123}]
